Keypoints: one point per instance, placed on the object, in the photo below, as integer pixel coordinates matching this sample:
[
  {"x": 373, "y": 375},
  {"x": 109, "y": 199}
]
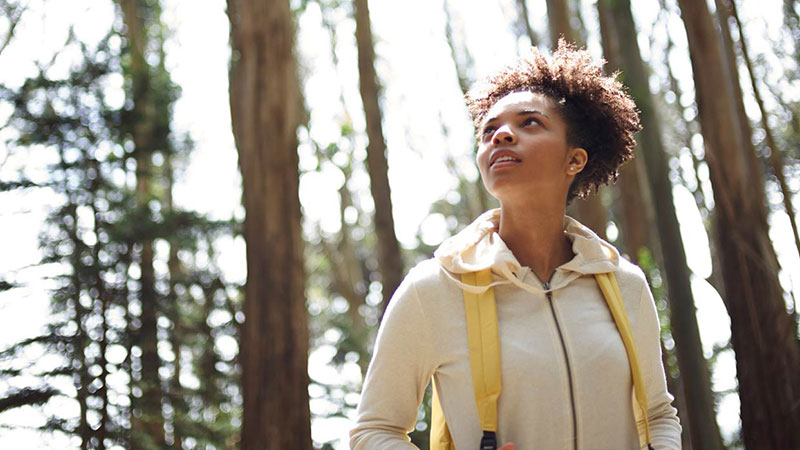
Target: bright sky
[{"x": 420, "y": 81}]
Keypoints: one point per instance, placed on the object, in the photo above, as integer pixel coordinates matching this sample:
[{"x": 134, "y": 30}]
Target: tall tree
[
  {"x": 590, "y": 211},
  {"x": 637, "y": 213},
  {"x": 558, "y": 14},
  {"x": 172, "y": 311},
  {"x": 72, "y": 122},
  {"x": 96, "y": 235},
  {"x": 389, "y": 257},
  {"x": 265, "y": 112},
  {"x": 699, "y": 402},
  {"x": 462, "y": 58},
  {"x": 475, "y": 197},
  {"x": 763, "y": 334},
  {"x": 727, "y": 10},
  {"x": 348, "y": 275},
  {"x": 523, "y": 25},
  {"x": 148, "y": 122},
  {"x": 682, "y": 132}
]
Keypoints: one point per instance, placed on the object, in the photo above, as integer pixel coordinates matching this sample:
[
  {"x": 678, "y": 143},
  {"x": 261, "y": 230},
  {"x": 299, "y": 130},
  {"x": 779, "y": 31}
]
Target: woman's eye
[
  {"x": 487, "y": 131},
  {"x": 530, "y": 121}
]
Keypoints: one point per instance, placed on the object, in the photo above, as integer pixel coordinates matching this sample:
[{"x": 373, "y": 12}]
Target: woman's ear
[{"x": 578, "y": 157}]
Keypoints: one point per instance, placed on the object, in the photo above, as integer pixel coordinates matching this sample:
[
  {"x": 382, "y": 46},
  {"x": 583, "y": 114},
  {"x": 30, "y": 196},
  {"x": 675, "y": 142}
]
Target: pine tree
[{"x": 95, "y": 237}]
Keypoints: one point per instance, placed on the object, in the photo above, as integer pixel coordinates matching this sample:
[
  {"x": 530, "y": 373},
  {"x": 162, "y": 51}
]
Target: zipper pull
[{"x": 546, "y": 285}]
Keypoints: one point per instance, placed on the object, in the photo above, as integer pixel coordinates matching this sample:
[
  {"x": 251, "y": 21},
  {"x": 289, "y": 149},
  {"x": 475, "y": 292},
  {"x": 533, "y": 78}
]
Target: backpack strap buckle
[{"x": 489, "y": 440}]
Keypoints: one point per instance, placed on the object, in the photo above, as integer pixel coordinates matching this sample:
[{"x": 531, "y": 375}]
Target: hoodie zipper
[{"x": 566, "y": 360}]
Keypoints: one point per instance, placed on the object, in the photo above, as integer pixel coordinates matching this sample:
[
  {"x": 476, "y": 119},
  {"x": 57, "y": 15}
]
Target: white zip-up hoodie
[{"x": 565, "y": 374}]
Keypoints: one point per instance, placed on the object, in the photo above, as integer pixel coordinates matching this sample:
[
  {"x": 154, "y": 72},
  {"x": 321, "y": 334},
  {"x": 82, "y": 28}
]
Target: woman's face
[{"x": 523, "y": 151}]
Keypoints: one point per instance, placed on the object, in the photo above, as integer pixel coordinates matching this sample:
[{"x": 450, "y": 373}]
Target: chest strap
[{"x": 484, "y": 358}]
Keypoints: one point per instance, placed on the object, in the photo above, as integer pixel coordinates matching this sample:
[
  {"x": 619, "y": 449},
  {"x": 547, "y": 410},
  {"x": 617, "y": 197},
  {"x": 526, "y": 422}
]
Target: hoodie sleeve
[
  {"x": 665, "y": 429},
  {"x": 397, "y": 376}
]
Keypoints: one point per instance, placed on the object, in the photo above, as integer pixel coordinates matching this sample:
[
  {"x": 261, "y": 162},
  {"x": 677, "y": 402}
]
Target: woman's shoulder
[
  {"x": 426, "y": 273},
  {"x": 630, "y": 277},
  {"x": 433, "y": 286}
]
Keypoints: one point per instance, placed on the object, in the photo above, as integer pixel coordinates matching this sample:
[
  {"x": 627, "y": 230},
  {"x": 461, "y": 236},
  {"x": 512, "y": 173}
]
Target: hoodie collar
[{"x": 479, "y": 246}]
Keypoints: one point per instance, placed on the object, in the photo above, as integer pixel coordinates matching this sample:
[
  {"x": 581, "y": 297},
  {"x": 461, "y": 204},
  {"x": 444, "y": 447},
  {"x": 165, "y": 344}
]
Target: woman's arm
[
  {"x": 665, "y": 429},
  {"x": 398, "y": 373}
]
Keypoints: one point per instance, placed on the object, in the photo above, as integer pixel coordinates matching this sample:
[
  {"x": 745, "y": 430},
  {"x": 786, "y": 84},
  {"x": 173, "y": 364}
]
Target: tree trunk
[
  {"x": 699, "y": 406},
  {"x": 80, "y": 365},
  {"x": 738, "y": 96},
  {"x": 524, "y": 22},
  {"x": 176, "y": 334},
  {"x": 762, "y": 333},
  {"x": 104, "y": 299},
  {"x": 126, "y": 260},
  {"x": 637, "y": 211},
  {"x": 775, "y": 156},
  {"x": 206, "y": 365},
  {"x": 558, "y": 18},
  {"x": 390, "y": 260},
  {"x": 589, "y": 211},
  {"x": 146, "y": 139},
  {"x": 265, "y": 113},
  {"x": 476, "y": 196},
  {"x": 715, "y": 279},
  {"x": 456, "y": 51}
]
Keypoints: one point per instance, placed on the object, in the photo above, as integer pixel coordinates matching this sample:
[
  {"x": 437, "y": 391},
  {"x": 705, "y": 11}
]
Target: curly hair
[{"x": 600, "y": 116}]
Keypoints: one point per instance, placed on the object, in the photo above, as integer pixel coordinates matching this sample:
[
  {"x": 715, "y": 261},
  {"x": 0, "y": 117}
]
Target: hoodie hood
[{"x": 478, "y": 247}]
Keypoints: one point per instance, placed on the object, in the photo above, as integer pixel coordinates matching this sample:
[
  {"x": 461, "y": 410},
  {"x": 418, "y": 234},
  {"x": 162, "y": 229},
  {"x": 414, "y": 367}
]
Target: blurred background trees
[{"x": 172, "y": 326}]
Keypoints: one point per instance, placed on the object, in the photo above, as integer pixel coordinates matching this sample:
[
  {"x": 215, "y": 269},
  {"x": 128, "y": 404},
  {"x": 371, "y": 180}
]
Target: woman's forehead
[{"x": 521, "y": 100}]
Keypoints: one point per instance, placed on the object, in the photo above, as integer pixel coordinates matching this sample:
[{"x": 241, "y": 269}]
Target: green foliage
[{"x": 95, "y": 234}]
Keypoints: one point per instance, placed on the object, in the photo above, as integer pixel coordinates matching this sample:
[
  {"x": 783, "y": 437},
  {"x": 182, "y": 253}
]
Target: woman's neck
[{"x": 536, "y": 237}]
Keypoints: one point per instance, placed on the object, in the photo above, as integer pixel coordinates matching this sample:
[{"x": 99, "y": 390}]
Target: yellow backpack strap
[
  {"x": 440, "y": 438},
  {"x": 484, "y": 357},
  {"x": 608, "y": 284}
]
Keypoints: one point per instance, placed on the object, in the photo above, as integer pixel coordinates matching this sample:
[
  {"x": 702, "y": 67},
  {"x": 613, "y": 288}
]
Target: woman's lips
[
  {"x": 503, "y": 158},
  {"x": 503, "y": 164}
]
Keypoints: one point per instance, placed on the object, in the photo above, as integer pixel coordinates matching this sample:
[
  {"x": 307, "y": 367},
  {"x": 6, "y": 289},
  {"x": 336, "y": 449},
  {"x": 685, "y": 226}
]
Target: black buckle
[{"x": 489, "y": 440}]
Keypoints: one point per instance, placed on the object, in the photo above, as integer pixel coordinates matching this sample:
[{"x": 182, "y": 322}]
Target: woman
[{"x": 549, "y": 130}]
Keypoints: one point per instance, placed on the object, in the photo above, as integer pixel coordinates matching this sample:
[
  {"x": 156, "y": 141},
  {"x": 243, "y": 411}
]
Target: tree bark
[
  {"x": 715, "y": 279},
  {"x": 390, "y": 259},
  {"x": 522, "y": 14},
  {"x": 589, "y": 211},
  {"x": 775, "y": 158},
  {"x": 265, "y": 113},
  {"x": 762, "y": 333},
  {"x": 693, "y": 366},
  {"x": 738, "y": 96},
  {"x": 558, "y": 18},
  {"x": 637, "y": 211}
]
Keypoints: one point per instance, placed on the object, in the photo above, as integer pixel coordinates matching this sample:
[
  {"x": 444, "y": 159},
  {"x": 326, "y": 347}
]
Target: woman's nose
[{"x": 503, "y": 135}]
